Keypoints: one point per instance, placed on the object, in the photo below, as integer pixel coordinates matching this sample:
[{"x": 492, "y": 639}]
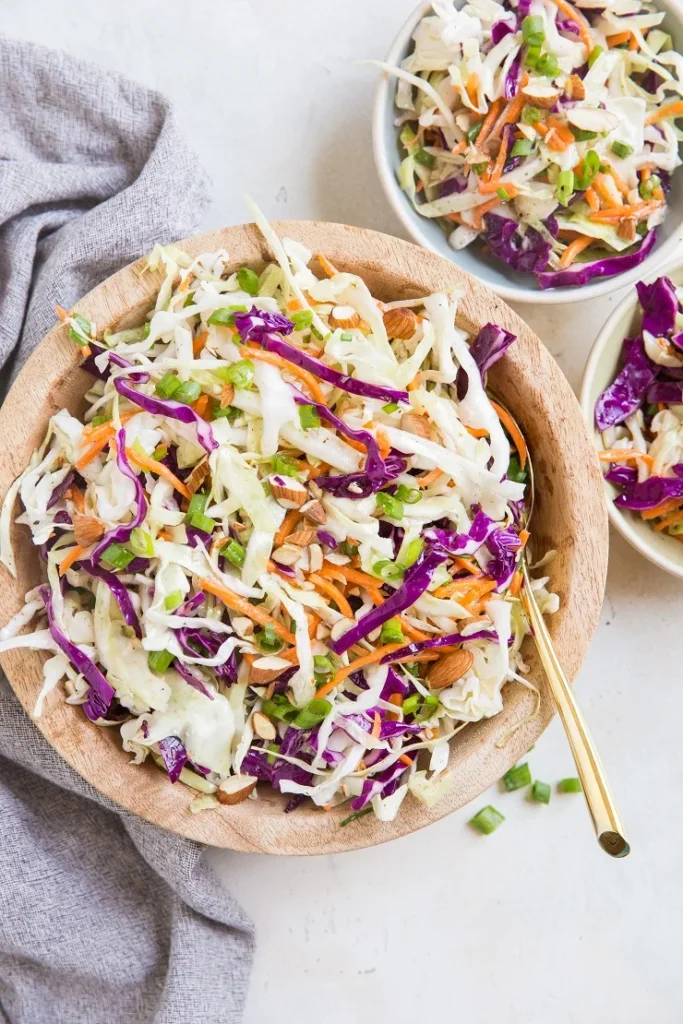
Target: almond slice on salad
[
  {"x": 400, "y": 323},
  {"x": 301, "y": 538},
  {"x": 314, "y": 512},
  {"x": 236, "y": 789},
  {"x": 540, "y": 94},
  {"x": 574, "y": 89},
  {"x": 267, "y": 669},
  {"x": 449, "y": 669},
  {"x": 288, "y": 554},
  {"x": 87, "y": 529},
  {"x": 343, "y": 317},
  {"x": 198, "y": 476},
  {"x": 288, "y": 491},
  {"x": 263, "y": 727},
  {"x": 413, "y": 423},
  {"x": 227, "y": 394},
  {"x": 626, "y": 229},
  {"x": 590, "y": 119}
]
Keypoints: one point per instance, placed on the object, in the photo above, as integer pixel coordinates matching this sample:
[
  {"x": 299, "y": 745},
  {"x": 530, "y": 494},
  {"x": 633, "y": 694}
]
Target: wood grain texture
[{"x": 570, "y": 517}]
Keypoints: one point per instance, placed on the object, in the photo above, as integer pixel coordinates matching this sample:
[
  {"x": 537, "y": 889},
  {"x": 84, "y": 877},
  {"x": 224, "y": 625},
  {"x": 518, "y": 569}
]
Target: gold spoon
[{"x": 606, "y": 821}]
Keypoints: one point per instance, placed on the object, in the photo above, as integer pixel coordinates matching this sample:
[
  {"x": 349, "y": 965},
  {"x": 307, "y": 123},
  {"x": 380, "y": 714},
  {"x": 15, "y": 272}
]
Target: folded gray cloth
[{"x": 103, "y": 917}]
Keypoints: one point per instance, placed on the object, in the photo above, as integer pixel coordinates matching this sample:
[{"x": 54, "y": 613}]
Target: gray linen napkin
[{"x": 103, "y": 917}]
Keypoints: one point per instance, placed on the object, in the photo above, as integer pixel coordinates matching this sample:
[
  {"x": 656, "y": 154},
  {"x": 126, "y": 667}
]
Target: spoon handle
[{"x": 608, "y": 827}]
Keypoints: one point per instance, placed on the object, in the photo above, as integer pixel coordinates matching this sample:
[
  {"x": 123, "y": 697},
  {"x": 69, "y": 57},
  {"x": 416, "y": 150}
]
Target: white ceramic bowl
[
  {"x": 508, "y": 283},
  {"x": 601, "y": 369}
]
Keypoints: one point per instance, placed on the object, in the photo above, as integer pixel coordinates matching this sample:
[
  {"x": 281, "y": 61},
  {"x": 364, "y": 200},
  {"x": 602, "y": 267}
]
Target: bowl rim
[
  {"x": 607, "y": 337},
  {"x": 575, "y": 523},
  {"x": 411, "y": 220}
]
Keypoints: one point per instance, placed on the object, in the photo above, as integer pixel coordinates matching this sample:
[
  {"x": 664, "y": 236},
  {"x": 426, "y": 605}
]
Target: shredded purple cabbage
[
  {"x": 119, "y": 591},
  {"x": 528, "y": 253},
  {"x": 325, "y": 537},
  {"x": 582, "y": 273},
  {"x": 191, "y": 679},
  {"x": 174, "y": 756},
  {"x": 61, "y": 489},
  {"x": 165, "y": 407},
  {"x": 659, "y": 304},
  {"x": 651, "y": 492},
  {"x": 499, "y": 30},
  {"x": 463, "y": 543},
  {"x": 374, "y": 463},
  {"x": 447, "y": 640},
  {"x": 667, "y": 391},
  {"x": 627, "y": 391},
  {"x": 488, "y": 347},
  {"x": 360, "y": 485},
  {"x": 120, "y": 534}
]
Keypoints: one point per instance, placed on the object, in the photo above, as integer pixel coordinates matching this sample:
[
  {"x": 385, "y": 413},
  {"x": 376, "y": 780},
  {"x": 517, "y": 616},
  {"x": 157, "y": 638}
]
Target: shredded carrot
[
  {"x": 429, "y": 478},
  {"x": 555, "y": 134},
  {"x": 618, "y": 39},
  {"x": 524, "y": 537},
  {"x": 624, "y": 455},
  {"x": 573, "y": 250},
  {"x": 397, "y": 700},
  {"x": 514, "y": 108},
  {"x": 404, "y": 759},
  {"x": 493, "y": 179},
  {"x": 638, "y": 210},
  {"x": 619, "y": 182},
  {"x": 152, "y": 466},
  {"x": 350, "y": 575},
  {"x": 73, "y": 556},
  {"x": 201, "y": 406},
  {"x": 592, "y": 199},
  {"x": 375, "y": 596},
  {"x": 661, "y": 510},
  {"x": 62, "y": 313},
  {"x": 165, "y": 535},
  {"x": 514, "y": 432},
  {"x": 411, "y": 631},
  {"x": 288, "y": 524},
  {"x": 376, "y": 726},
  {"x": 516, "y": 584},
  {"x": 602, "y": 187},
  {"x": 297, "y": 371},
  {"x": 480, "y": 588},
  {"x": 584, "y": 29},
  {"x": 448, "y": 589},
  {"x": 241, "y": 605},
  {"x": 313, "y": 623},
  {"x": 477, "y": 431},
  {"x": 293, "y": 305},
  {"x": 645, "y": 173},
  {"x": 327, "y": 267},
  {"x": 366, "y": 659},
  {"x": 93, "y": 450},
  {"x": 479, "y": 212},
  {"x": 488, "y": 122},
  {"x": 472, "y": 88},
  {"x": 466, "y": 563},
  {"x": 455, "y": 217},
  {"x": 78, "y": 499},
  {"x": 674, "y": 109},
  {"x": 668, "y": 521},
  {"x": 333, "y": 593},
  {"x": 199, "y": 342}
]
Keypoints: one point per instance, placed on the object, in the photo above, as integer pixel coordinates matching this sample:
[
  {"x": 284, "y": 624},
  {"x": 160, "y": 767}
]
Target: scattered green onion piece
[
  {"x": 411, "y": 704},
  {"x": 302, "y": 319},
  {"x": 517, "y": 777},
  {"x": 621, "y": 149},
  {"x": 160, "y": 452},
  {"x": 641, "y": 229},
  {"x": 594, "y": 54},
  {"x": 412, "y": 552},
  {"x": 581, "y": 134},
  {"x": 590, "y": 165},
  {"x": 234, "y": 552},
  {"x": 322, "y": 667},
  {"x": 408, "y": 495},
  {"x": 487, "y": 820},
  {"x": 564, "y": 187},
  {"x": 570, "y": 786},
  {"x": 225, "y": 316},
  {"x": 188, "y": 392},
  {"x": 503, "y": 194},
  {"x": 227, "y": 412},
  {"x": 97, "y": 421},
  {"x": 647, "y": 187},
  {"x": 167, "y": 386},
  {"x": 530, "y": 115},
  {"x": 388, "y": 570},
  {"x": 159, "y": 661},
  {"x": 351, "y": 550},
  {"x": 391, "y": 506},
  {"x": 117, "y": 556},
  {"x": 316, "y": 334},
  {"x": 540, "y": 792},
  {"x": 471, "y": 135},
  {"x": 392, "y": 632},
  {"x": 533, "y": 30},
  {"x": 522, "y": 147},
  {"x": 284, "y": 466},
  {"x": 480, "y": 168},
  {"x": 309, "y": 416},
  {"x": 279, "y": 708},
  {"x": 268, "y": 640},
  {"x": 515, "y": 472},
  {"x": 429, "y": 706},
  {"x": 80, "y": 330},
  {"x": 240, "y": 374},
  {"x": 355, "y": 816},
  {"x": 390, "y": 407},
  {"x": 533, "y": 55},
  {"x": 173, "y": 600},
  {"x": 424, "y": 158},
  {"x": 313, "y": 713},
  {"x": 202, "y": 522},
  {"x": 346, "y": 336},
  {"x": 247, "y": 280},
  {"x": 198, "y": 503},
  {"x": 141, "y": 543},
  {"x": 548, "y": 65}
]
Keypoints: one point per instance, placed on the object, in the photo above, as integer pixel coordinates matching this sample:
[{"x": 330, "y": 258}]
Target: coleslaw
[
  {"x": 282, "y": 544},
  {"x": 543, "y": 129}
]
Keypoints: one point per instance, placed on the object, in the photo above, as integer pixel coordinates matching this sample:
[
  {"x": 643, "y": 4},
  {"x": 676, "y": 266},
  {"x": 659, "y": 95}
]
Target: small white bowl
[
  {"x": 508, "y": 283},
  {"x": 601, "y": 369}
]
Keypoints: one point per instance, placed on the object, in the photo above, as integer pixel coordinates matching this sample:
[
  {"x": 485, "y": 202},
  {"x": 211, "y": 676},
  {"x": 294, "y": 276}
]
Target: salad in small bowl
[{"x": 535, "y": 139}]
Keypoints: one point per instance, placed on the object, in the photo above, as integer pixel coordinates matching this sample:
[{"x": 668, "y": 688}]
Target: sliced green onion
[
  {"x": 97, "y": 421},
  {"x": 641, "y": 229},
  {"x": 313, "y": 713},
  {"x": 408, "y": 495},
  {"x": 412, "y": 552},
  {"x": 160, "y": 452},
  {"x": 533, "y": 55},
  {"x": 173, "y": 601},
  {"x": 515, "y": 472},
  {"x": 141, "y": 543},
  {"x": 530, "y": 115},
  {"x": 621, "y": 149},
  {"x": 429, "y": 706},
  {"x": 421, "y": 156},
  {"x": 471, "y": 135},
  {"x": 390, "y": 407},
  {"x": 351, "y": 550},
  {"x": 564, "y": 187},
  {"x": 284, "y": 466},
  {"x": 590, "y": 165},
  {"x": 533, "y": 30},
  {"x": 316, "y": 334},
  {"x": 548, "y": 65},
  {"x": 198, "y": 503},
  {"x": 355, "y": 816},
  {"x": 235, "y": 553},
  {"x": 517, "y": 777},
  {"x": 279, "y": 708},
  {"x": 159, "y": 661},
  {"x": 167, "y": 386},
  {"x": 570, "y": 786},
  {"x": 411, "y": 704},
  {"x": 228, "y": 412},
  {"x": 322, "y": 667},
  {"x": 388, "y": 570},
  {"x": 80, "y": 330},
  {"x": 240, "y": 374},
  {"x": 247, "y": 280},
  {"x": 268, "y": 640},
  {"x": 188, "y": 392},
  {"x": 202, "y": 522},
  {"x": 487, "y": 820},
  {"x": 225, "y": 316},
  {"x": 647, "y": 187},
  {"x": 480, "y": 168},
  {"x": 594, "y": 54},
  {"x": 392, "y": 632},
  {"x": 117, "y": 556},
  {"x": 346, "y": 336},
  {"x": 309, "y": 416},
  {"x": 581, "y": 135},
  {"x": 540, "y": 792},
  {"x": 391, "y": 506},
  {"x": 522, "y": 147},
  {"x": 503, "y": 194},
  {"x": 302, "y": 319},
  {"x": 407, "y": 136}
]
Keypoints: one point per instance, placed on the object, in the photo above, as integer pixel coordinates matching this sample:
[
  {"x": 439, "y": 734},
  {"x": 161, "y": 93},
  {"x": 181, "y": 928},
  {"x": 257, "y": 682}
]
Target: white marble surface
[{"x": 533, "y": 924}]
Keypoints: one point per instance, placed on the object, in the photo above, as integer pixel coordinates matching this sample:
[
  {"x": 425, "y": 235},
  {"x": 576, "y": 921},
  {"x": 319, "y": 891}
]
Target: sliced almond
[
  {"x": 540, "y": 94},
  {"x": 592, "y": 119},
  {"x": 449, "y": 669},
  {"x": 288, "y": 554},
  {"x": 263, "y": 727},
  {"x": 236, "y": 789},
  {"x": 415, "y": 424},
  {"x": 302, "y": 538},
  {"x": 265, "y": 670},
  {"x": 314, "y": 512},
  {"x": 87, "y": 529},
  {"x": 315, "y": 557},
  {"x": 574, "y": 89},
  {"x": 627, "y": 229},
  {"x": 288, "y": 491},
  {"x": 243, "y": 626},
  {"x": 227, "y": 394},
  {"x": 198, "y": 476},
  {"x": 400, "y": 322},
  {"x": 343, "y": 317}
]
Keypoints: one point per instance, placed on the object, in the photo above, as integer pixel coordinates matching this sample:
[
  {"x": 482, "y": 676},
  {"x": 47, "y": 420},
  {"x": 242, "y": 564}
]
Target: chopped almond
[
  {"x": 288, "y": 491},
  {"x": 415, "y": 424},
  {"x": 87, "y": 530},
  {"x": 198, "y": 476}
]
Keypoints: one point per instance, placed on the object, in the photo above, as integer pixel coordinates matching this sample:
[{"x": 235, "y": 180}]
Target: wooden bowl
[{"x": 570, "y": 516}]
